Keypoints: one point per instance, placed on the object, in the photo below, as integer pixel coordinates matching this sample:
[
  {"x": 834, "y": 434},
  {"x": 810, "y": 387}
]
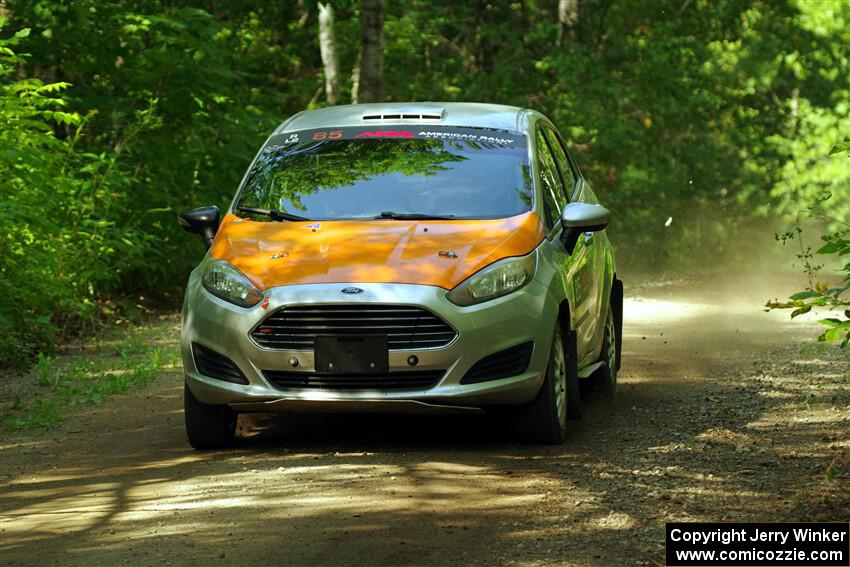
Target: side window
[
  {"x": 554, "y": 196},
  {"x": 564, "y": 166}
]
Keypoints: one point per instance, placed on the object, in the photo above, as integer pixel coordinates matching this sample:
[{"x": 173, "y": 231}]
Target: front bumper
[{"x": 526, "y": 315}]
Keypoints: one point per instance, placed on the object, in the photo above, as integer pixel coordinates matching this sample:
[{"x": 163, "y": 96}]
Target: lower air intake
[
  {"x": 215, "y": 365},
  {"x": 503, "y": 364},
  {"x": 408, "y": 380}
]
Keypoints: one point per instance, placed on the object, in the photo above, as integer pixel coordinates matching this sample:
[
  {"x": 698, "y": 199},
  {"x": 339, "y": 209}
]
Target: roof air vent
[{"x": 429, "y": 113}]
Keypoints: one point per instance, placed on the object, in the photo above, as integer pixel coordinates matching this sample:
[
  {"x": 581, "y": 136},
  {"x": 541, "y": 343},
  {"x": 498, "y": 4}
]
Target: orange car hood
[{"x": 376, "y": 251}]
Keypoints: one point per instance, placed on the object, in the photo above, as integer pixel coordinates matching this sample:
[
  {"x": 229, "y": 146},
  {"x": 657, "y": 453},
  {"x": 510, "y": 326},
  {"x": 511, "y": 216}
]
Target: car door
[
  {"x": 574, "y": 268},
  {"x": 594, "y": 274},
  {"x": 588, "y": 278}
]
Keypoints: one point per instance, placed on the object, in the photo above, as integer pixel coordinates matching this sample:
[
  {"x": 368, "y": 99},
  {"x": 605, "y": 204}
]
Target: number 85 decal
[{"x": 332, "y": 135}]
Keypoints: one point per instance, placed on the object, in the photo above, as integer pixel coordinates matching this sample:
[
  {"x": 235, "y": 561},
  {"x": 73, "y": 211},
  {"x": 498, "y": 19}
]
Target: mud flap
[
  {"x": 573, "y": 394},
  {"x": 617, "y": 307}
]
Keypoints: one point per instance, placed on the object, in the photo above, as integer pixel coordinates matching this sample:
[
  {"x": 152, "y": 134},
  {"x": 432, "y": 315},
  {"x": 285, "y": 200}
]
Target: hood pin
[{"x": 447, "y": 254}]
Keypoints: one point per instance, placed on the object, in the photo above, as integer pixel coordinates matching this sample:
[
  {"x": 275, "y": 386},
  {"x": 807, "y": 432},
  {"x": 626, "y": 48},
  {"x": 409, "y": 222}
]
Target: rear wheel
[
  {"x": 606, "y": 376},
  {"x": 545, "y": 419},
  {"x": 207, "y": 427}
]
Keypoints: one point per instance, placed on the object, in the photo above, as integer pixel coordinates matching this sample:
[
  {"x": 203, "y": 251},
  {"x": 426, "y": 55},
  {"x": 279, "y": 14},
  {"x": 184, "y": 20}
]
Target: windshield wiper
[
  {"x": 413, "y": 216},
  {"x": 272, "y": 214}
]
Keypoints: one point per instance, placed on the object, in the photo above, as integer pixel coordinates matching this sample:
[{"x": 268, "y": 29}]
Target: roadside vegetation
[
  {"x": 704, "y": 125},
  {"x": 829, "y": 295},
  {"x": 86, "y": 372}
]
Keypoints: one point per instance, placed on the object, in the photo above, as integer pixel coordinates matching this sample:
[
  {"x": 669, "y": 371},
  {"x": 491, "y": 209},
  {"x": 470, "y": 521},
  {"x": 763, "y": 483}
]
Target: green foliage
[
  {"x": 114, "y": 362},
  {"x": 44, "y": 371},
  {"x": 840, "y": 147},
  {"x": 822, "y": 295},
  {"x": 62, "y": 218}
]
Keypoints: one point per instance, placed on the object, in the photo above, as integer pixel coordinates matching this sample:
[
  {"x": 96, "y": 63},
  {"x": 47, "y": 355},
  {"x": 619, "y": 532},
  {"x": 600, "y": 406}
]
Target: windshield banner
[{"x": 483, "y": 136}]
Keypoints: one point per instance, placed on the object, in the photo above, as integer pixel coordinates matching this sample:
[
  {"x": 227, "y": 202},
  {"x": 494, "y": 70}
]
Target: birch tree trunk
[
  {"x": 355, "y": 79},
  {"x": 327, "y": 47},
  {"x": 567, "y": 19},
  {"x": 371, "y": 50}
]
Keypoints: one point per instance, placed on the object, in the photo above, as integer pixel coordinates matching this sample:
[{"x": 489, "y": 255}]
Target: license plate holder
[{"x": 351, "y": 354}]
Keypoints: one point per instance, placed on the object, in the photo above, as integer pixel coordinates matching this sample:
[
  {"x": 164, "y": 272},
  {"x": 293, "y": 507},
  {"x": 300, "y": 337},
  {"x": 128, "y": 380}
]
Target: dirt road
[{"x": 720, "y": 416}]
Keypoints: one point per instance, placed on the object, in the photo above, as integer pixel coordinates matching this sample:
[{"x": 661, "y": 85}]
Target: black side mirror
[
  {"x": 577, "y": 218},
  {"x": 203, "y": 221}
]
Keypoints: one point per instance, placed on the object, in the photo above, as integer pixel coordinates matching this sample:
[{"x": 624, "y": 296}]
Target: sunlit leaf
[
  {"x": 801, "y": 311},
  {"x": 805, "y": 294},
  {"x": 833, "y": 334},
  {"x": 834, "y": 246},
  {"x": 840, "y": 147}
]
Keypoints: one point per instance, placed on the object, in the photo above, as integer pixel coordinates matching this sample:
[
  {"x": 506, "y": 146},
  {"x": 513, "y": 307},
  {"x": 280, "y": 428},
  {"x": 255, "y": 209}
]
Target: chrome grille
[{"x": 406, "y": 327}]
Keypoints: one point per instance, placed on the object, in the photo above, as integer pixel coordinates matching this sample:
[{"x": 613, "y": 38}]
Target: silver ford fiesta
[{"x": 421, "y": 257}]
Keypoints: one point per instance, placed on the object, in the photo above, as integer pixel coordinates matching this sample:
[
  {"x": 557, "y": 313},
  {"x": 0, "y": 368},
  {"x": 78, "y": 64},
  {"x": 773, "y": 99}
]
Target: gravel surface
[{"x": 724, "y": 413}]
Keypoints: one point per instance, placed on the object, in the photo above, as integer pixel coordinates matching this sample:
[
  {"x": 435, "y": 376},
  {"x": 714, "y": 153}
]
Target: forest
[
  {"x": 714, "y": 131},
  {"x": 341, "y": 388}
]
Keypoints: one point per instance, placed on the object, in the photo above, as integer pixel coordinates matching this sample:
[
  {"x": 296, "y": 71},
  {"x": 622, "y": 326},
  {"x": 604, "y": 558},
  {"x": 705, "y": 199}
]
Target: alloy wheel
[
  {"x": 611, "y": 350},
  {"x": 559, "y": 380}
]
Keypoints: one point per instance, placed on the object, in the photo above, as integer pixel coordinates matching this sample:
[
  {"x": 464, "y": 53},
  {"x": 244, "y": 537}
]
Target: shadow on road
[{"x": 726, "y": 433}]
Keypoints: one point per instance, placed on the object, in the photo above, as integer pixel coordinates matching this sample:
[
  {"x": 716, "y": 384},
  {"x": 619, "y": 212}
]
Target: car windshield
[{"x": 365, "y": 173}]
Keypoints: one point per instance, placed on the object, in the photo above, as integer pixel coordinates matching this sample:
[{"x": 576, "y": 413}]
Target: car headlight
[
  {"x": 223, "y": 280},
  {"x": 494, "y": 281}
]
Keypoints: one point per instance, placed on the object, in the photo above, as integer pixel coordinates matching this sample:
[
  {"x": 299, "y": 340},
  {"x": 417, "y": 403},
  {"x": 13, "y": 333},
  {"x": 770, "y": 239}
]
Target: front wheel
[
  {"x": 545, "y": 419},
  {"x": 207, "y": 427}
]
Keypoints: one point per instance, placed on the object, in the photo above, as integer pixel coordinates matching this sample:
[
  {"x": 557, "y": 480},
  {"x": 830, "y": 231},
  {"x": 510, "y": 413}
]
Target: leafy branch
[{"x": 819, "y": 294}]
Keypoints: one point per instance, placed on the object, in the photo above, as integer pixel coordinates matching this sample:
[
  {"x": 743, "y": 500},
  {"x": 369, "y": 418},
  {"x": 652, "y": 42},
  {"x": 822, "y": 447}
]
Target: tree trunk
[
  {"x": 355, "y": 79},
  {"x": 371, "y": 50},
  {"x": 327, "y": 47},
  {"x": 567, "y": 19}
]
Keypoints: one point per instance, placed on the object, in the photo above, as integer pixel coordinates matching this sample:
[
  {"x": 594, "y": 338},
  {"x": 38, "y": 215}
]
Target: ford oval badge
[{"x": 351, "y": 290}]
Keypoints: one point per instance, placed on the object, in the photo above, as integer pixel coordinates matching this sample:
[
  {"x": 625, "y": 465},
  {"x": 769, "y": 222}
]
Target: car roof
[{"x": 461, "y": 114}]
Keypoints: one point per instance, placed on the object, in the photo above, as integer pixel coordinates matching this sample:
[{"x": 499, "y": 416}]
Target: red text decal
[
  {"x": 332, "y": 135},
  {"x": 385, "y": 134}
]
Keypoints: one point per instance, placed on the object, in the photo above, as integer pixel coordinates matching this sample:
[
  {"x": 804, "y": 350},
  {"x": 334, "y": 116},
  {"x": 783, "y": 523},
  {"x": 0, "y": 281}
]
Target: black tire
[
  {"x": 544, "y": 420},
  {"x": 573, "y": 383},
  {"x": 606, "y": 377},
  {"x": 207, "y": 427}
]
